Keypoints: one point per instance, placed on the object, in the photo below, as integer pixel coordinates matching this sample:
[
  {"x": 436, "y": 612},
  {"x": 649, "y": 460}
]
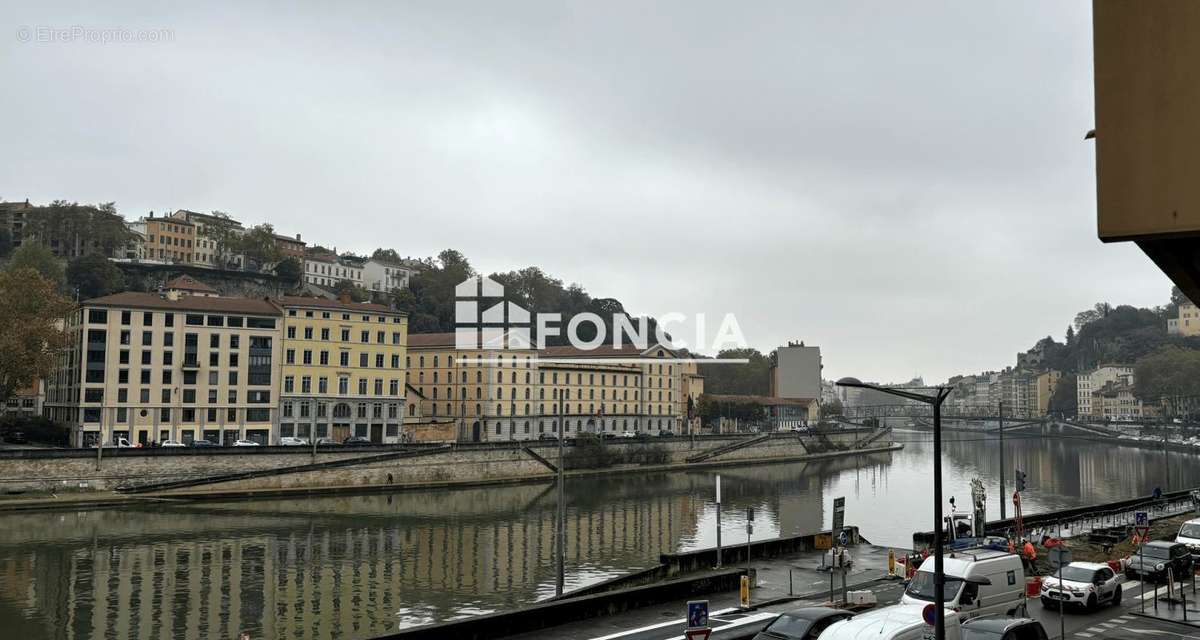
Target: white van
[
  {"x": 897, "y": 622},
  {"x": 978, "y": 582},
  {"x": 1189, "y": 534}
]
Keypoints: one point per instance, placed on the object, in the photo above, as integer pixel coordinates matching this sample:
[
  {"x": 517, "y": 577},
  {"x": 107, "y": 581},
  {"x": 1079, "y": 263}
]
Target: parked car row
[{"x": 896, "y": 622}]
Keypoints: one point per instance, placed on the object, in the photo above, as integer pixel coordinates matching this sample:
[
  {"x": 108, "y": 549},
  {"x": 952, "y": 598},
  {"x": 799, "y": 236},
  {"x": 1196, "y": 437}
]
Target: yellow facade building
[
  {"x": 169, "y": 240},
  {"x": 344, "y": 369}
]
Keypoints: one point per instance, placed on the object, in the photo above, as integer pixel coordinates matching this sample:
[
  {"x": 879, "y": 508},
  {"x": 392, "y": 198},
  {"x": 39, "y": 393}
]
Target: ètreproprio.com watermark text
[{"x": 46, "y": 34}]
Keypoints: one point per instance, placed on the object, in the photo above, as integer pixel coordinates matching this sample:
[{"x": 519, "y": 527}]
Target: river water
[{"x": 359, "y": 566}]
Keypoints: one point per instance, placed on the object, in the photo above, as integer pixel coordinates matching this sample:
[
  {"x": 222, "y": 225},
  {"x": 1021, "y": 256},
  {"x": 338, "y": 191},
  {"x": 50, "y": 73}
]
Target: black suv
[{"x": 1154, "y": 558}]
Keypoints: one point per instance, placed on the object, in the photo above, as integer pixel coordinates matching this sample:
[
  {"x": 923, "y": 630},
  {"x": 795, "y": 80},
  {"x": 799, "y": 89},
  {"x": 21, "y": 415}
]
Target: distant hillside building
[
  {"x": 1107, "y": 392},
  {"x": 386, "y": 275},
  {"x": 1186, "y": 322},
  {"x": 206, "y": 252},
  {"x": 14, "y": 216}
]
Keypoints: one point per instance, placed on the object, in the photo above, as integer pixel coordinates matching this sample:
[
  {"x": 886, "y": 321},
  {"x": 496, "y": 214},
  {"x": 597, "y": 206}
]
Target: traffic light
[{"x": 1020, "y": 480}]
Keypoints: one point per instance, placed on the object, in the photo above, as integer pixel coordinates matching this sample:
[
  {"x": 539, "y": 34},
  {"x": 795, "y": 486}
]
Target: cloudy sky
[{"x": 904, "y": 184}]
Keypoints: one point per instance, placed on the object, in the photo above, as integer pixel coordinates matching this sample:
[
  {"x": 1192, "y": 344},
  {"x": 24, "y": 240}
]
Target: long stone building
[{"x": 522, "y": 393}]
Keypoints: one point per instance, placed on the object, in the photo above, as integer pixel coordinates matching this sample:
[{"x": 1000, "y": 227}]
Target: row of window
[
  {"x": 592, "y": 410},
  {"x": 612, "y": 426},
  {"x": 100, "y": 316},
  {"x": 498, "y": 394},
  {"x": 93, "y": 395},
  {"x": 340, "y": 410},
  {"x": 364, "y": 336},
  {"x": 670, "y": 382},
  {"x": 526, "y": 362},
  {"x": 309, "y": 313},
  {"x": 91, "y": 415},
  {"x": 343, "y": 385},
  {"x": 364, "y": 359}
]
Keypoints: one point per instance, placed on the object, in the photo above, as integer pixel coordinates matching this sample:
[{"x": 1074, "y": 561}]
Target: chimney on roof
[
  {"x": 173, "y": 294},
  {"x": 297, "y": 237},
  {"x": 344, "y": 297}
]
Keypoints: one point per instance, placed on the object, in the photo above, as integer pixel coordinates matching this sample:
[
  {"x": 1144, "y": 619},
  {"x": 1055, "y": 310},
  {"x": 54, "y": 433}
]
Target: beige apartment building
[
  {"x": 1113, "y": 381},
  {"x": 522, "y": 393},
  {"x": 150, "y": 367}
]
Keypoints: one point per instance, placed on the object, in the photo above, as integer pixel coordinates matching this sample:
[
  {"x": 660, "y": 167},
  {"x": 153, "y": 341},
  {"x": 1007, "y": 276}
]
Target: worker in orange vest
[{"x": 1030, "y": 555}]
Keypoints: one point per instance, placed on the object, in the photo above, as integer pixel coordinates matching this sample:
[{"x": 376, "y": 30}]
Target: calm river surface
[{"x": 358, "y": 566}]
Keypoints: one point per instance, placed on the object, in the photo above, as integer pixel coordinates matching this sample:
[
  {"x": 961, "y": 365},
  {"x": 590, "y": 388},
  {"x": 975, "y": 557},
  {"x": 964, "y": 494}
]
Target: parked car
[
  {"x": 628, "y": 434},
  {"x": 321, "y": 442},
  {"x": 200, "y": 444},
  {"x": 244, "y": 443},
  {"x": 357, "y": 440},
  {"x": 978, "y": 582},
  {"x": 1003, "y": 628},
  {"x": 289, "y": 441},
  {"x": 547, "y": 436},
  {"x": 805, "y": 623},
  {"x": 119, "y": 443},
  {"x": 896, "y": 622},
  {"x": 1154, "y": 558},
  {"x": 1086, "y": 584},
  {"x": 172, "y": 444},
  {"x": 16, "y": 437},
  {"x": 1189, "y": 534},
  {"x": 608, "y": 435},
  {"x": 665, "y": 433}
]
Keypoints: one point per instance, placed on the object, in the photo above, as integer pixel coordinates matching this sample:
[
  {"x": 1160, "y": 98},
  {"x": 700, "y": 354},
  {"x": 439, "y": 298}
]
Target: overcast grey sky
[{"x": 904, "y": 184}]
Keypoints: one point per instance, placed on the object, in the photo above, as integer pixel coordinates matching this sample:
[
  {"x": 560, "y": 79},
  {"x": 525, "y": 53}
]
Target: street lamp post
[{"x": 935, "y": 400}]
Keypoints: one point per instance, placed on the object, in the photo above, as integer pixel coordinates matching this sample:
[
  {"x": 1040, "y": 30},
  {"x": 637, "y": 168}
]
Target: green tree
[
  {"x": 289, "y": 269},
  {"x": 356, "y": 293},
  {"x": 222, "y": 232},
  {"x": 1070, "y": 335},
  {"x": 387, "y": 255},
  {"x": 1064, "y": 400},
  {"x": 30, "y": 338},
  {"x": 1169, "y": 372},
  {"x": 831, "y": 408},
  {"x": 93, "y": 276},
  {"x": 752, "y": 378},
  {"x": 6, "y": 245},
  {"x": 37, "y": 256},
  {"x": 79, "y": 229},
  {"x": 258, "y": 245}
]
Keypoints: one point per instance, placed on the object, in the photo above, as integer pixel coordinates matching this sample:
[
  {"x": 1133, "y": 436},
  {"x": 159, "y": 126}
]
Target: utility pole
[
  {"x": 1003, "y": 509},
  {"x": 718, "y": 521},
  {"x": 562, "y": 512}
]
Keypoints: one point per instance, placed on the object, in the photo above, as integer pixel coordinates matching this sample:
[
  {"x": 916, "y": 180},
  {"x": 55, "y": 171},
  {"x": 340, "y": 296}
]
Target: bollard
[{"x": 790, "y": 592}]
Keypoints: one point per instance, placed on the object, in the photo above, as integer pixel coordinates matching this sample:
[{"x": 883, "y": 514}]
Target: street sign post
[
  {"x": 697, "y": 634},
  {"x": 697, "y": 614},
  {"x": 839, "y": 514},
  {"x": 718, "y": 521}
]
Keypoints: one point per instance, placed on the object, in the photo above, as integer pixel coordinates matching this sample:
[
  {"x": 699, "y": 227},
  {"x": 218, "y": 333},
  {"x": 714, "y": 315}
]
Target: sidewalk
[{"x": 783, "y": 579}]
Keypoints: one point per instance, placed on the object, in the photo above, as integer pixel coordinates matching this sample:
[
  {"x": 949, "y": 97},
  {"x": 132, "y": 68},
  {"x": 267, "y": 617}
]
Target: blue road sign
[
  {"x": 1141, "y": 518},
  {"x": 697, "y": 614},
  {"x": 843, "y": 539}
]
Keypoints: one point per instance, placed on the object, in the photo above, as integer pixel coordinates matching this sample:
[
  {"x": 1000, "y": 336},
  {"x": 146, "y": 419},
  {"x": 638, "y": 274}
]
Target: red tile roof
[
  {"x": 137, "y": 300},
  {"x": 324, "y": 303}
]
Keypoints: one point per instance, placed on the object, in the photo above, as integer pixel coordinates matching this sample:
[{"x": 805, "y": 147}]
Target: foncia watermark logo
[{"x": 485, "y": 321}]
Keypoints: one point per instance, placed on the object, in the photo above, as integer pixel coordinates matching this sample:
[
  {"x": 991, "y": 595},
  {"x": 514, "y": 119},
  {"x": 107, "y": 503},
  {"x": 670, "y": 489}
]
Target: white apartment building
[
  {"x": 327, "y": 270},
  {"x": 1092, "y": 382},
  {"x": 385, "y": 275}
]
